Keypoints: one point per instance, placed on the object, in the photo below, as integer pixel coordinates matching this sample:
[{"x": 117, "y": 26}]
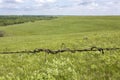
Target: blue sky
[{"x": 59, "y": 7}]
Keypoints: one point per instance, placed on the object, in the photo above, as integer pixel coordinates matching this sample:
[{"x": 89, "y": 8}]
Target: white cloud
[
  {"x": 45, "y": 1},
  {"x": 0, "y": 1},
  {"x": 52, "y": 1},
  {"x": 11, "y": 1},
  {"x": 19, "y": 1},
  {"x": 60, "y": 6}
]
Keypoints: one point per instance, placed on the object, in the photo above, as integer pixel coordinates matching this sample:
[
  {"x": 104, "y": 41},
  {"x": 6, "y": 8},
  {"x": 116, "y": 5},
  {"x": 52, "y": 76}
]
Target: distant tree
[{"x": 11, "y": 20}]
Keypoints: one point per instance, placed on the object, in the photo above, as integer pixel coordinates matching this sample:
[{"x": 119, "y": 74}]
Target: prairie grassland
[{"x": 77, "y": 33}]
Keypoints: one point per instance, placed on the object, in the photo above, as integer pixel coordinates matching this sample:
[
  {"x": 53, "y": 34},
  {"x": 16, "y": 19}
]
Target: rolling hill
[{"x": 76, "y": 32}]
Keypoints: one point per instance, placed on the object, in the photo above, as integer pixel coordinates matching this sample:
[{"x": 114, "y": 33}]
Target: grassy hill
[
  {"x": 77, "y": 32},
  {"x": 65, "y": 25}
]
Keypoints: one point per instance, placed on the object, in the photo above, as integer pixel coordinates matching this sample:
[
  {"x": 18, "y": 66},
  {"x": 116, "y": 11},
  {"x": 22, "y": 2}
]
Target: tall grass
[{"x": 76, "y": 33}]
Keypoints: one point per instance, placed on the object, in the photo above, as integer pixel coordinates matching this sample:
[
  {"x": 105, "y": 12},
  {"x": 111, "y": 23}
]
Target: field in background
[{"x": 77, "y": 32}]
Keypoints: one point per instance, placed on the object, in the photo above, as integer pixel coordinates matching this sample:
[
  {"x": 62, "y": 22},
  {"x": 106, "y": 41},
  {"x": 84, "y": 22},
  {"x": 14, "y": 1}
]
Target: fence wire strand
[{"x": 49, "y": 51}]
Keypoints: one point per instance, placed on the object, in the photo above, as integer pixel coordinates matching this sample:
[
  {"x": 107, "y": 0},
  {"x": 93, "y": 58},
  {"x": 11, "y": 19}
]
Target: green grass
[
  {"x": 73, "y": 31},
  {"x": 65, "y": 25}
]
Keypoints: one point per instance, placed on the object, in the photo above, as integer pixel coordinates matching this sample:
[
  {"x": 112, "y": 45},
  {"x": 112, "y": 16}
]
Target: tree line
[{"x": 11, "y": 20}]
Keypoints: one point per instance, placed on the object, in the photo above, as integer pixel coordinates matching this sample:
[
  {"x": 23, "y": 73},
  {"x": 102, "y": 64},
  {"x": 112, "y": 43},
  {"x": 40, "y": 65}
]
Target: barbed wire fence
[{"x": 62, "y": 50}]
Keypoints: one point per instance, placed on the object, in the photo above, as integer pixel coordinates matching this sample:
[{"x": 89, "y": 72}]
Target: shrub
[{"x": 2, "y": 33}]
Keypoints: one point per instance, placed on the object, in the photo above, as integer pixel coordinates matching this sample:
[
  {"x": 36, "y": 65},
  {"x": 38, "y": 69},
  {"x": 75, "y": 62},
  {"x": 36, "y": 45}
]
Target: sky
[{"x": 59, "y": 7}]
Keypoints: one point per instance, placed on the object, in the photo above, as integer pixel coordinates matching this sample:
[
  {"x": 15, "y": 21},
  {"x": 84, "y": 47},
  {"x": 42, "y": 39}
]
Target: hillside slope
[
  {"x": 65, "y": 25},
  {"x": 75, "y": 33}
]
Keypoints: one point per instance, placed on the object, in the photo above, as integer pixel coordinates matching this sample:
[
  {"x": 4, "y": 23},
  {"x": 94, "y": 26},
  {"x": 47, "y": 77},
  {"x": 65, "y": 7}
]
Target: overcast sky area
[{"x": 59, "y": 7}]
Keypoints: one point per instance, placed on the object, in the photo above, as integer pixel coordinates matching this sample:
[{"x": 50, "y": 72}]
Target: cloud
[
  {"x": 45, "y": 1},
  {"x": 19, "y": 1},
  {"x": 60, "y": 6},
  {"x": 11, "y": 1},
  {"x": 1, "y": 1}
]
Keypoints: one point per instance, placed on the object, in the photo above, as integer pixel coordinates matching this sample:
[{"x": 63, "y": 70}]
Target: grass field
[{"x": 77, "y": 32}]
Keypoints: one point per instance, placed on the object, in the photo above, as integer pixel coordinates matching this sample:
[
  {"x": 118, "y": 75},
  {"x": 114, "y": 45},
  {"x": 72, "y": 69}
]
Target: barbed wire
[{"x": 49, "y": 51}]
